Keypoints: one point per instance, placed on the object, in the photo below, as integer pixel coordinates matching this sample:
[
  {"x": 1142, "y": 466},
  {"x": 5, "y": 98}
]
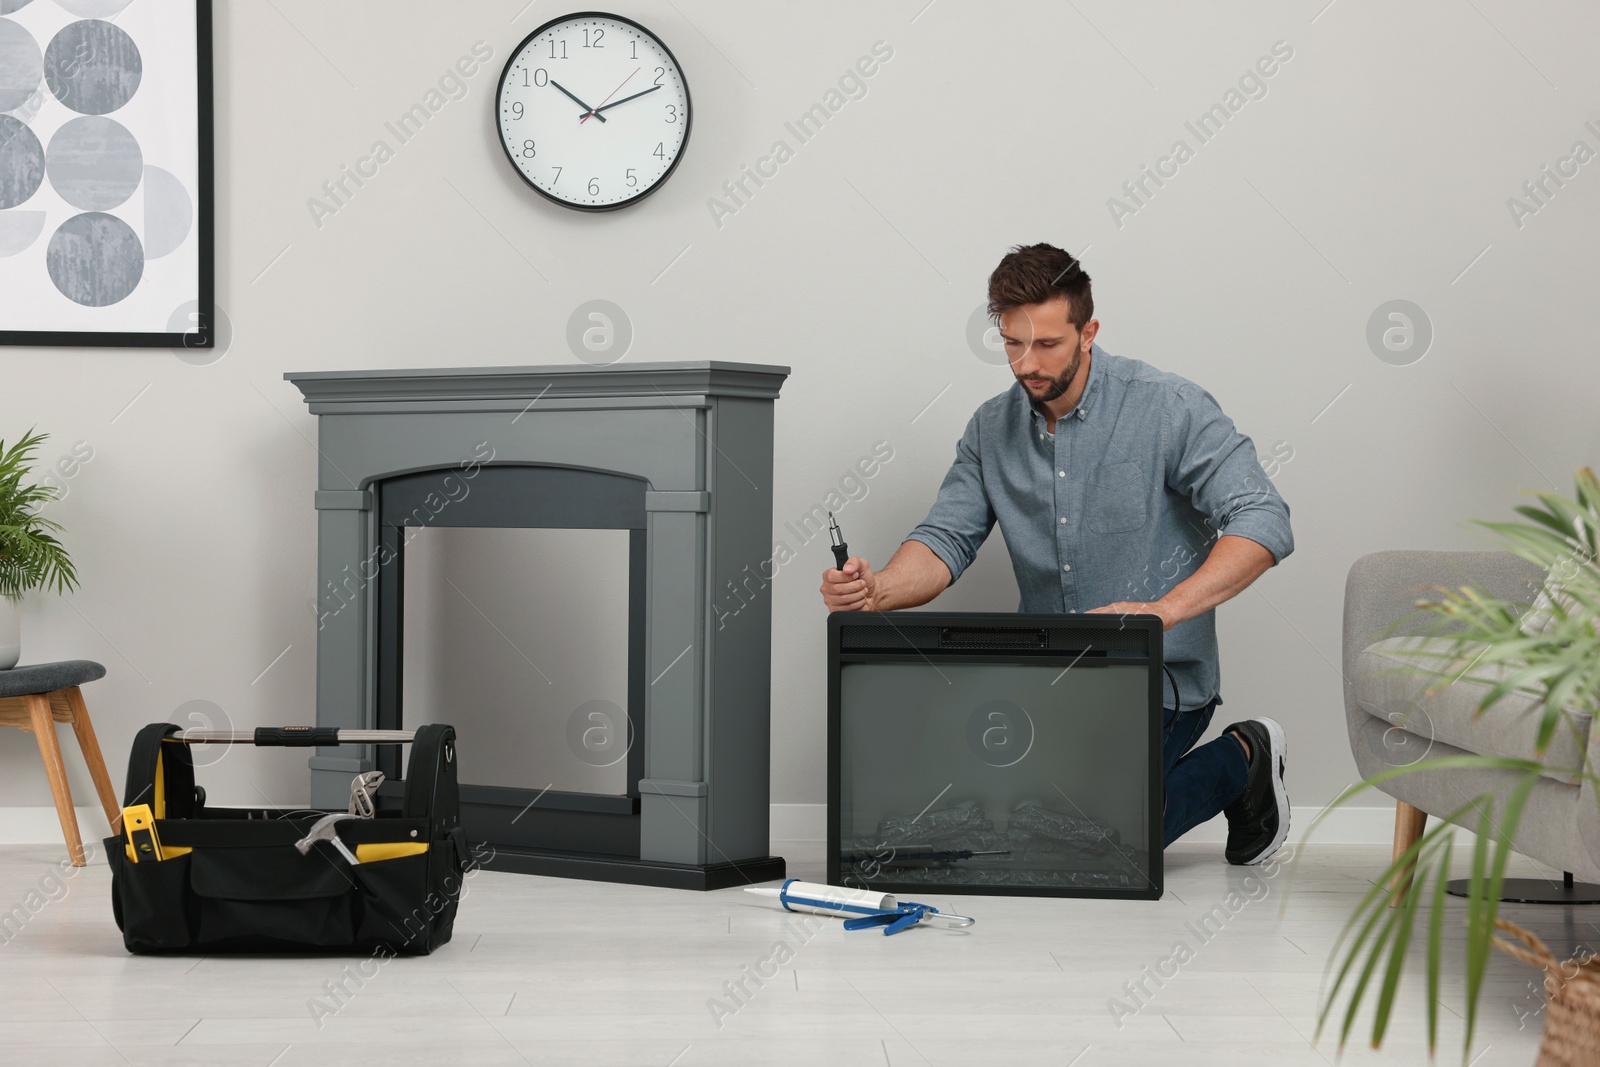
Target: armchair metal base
[{"x": 1536, "y": 890}]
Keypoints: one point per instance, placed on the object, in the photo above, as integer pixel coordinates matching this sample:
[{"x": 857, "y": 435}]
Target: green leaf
[
  {"x": 1435, "y": 940},
  {"x": 1377, "y": 912},
  {"x": 1373, "y": 956},
  {"x": 1376, "y": 901},
  {"x": 30, "y": 555},
  {"x": 1397, "y": 957},
  {"x": 1546, "y": 519},
  {"x": 1477, "y": 908},
  {"x": 1480, "y": 938}
]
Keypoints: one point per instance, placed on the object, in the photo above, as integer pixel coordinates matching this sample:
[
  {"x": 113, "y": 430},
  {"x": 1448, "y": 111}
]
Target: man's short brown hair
[{"x": 1034, "y": 274}]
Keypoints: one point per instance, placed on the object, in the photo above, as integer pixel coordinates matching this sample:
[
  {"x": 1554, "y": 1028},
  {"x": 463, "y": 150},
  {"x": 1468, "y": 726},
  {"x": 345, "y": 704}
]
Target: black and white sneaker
[{"x": 1258, "y": 821}]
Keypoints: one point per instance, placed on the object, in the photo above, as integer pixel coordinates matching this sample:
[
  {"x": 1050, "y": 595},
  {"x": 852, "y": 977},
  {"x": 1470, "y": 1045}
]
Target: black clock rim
[{"x": 688, "y": 121}]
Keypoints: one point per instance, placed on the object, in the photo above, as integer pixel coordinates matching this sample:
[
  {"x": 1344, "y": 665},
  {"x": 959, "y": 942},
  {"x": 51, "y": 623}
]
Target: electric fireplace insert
[{"x": 1013, "y": 754}]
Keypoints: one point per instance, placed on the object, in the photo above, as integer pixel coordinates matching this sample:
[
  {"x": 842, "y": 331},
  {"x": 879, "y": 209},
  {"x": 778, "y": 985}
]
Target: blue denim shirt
[{"x": 1122, "y": 502}]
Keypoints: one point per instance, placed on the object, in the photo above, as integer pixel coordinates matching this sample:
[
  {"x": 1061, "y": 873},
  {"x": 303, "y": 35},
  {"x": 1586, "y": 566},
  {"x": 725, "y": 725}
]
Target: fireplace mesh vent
[
  {"x": 869, "y": 636},
  {"x": 992, "y": 637}
]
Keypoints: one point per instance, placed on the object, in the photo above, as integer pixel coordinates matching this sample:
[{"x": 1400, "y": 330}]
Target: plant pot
[
  {"x": 1572, "y": 989},
  {"x": 10, "y": 632}
]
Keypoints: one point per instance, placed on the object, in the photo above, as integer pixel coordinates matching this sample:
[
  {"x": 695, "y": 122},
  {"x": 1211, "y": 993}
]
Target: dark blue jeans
[{"x": 1201, "y": 782}]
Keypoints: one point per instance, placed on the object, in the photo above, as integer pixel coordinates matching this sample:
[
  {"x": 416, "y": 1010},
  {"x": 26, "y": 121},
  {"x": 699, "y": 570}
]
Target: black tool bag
[{"x": 210, "y": 880}]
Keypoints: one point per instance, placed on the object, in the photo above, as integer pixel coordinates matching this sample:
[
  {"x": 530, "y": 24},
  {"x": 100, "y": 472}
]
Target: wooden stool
[{"x": 35, "y": 698}]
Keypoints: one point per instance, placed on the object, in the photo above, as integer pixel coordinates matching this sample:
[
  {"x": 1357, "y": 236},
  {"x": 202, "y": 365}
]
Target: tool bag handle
[
  {"x": 161, "y": 767},
  {"x": 160, "y": 774},
  {"x": 295, "y": 737},
  {"x": 430, "y": 782}
]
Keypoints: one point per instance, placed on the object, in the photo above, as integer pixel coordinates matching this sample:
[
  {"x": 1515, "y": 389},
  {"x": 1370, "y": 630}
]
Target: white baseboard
[
  {"x": 39, "y": 826},
  {"x": 790, "y": 822},
  {"x": 1345, "y": 826}
]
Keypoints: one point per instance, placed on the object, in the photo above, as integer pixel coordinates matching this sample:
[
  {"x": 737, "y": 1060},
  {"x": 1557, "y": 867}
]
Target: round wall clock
[{"x": 593, "y": 111}]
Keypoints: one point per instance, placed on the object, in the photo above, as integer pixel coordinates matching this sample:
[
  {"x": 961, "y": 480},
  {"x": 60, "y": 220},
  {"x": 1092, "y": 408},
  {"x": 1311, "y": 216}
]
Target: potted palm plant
[
  {"x": 30, "y": 555},
  {"x": 1550, "y": 651}
]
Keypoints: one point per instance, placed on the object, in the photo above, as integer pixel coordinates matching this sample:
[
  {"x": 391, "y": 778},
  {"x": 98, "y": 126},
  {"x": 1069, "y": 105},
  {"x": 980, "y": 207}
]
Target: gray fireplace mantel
[
  {"x": 696, "y": 440},
  {"x": 330, "y": 391}
]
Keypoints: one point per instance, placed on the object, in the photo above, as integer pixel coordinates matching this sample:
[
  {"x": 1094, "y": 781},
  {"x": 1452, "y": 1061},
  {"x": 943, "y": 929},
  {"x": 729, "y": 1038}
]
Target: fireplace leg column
[
  {"x": 672, "y": 802},
  {"x": 673, "y": 822},
  {"x": 344, "y": 582}
]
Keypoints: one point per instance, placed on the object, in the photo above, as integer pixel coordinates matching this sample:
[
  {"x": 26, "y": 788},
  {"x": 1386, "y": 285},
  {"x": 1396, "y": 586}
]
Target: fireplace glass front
[{"x": 972, "y": 766}]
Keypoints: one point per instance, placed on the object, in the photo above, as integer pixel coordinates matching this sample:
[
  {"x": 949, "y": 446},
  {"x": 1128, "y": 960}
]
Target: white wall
[{"x": 1378, "y": 166}]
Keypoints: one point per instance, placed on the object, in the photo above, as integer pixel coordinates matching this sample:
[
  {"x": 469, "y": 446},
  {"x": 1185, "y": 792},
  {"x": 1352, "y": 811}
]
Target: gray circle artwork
[
  {"x": 1000, "y": 732},
  {"x": 21, "y": 65},
  {"x": 29, "y": 109},
  {"x": 186, "y": 319},
  {"x": 21, "y": 162},
  {"x": 168, "y": 213},
  {"x": 983, "y": 337},
  {"x": 1399, "y": 332},
  {"x": 92, "y": 67},
  {"x": 8, "y": 6},
  {"x": 599, "y": 332},
  {"x": 95, "y": 259},
  {"x": 599, "y": 733},
  {"x": 93, "y": 9},
  {"x": 94, "y": 163}
]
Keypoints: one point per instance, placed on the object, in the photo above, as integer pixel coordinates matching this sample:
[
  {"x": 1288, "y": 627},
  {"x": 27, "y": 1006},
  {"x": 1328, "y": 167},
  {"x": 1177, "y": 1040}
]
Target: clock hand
[
  {"x": 609, "y": 95},
  {"x": 624, "y": 100},
  {"x": 587, "y": 110}
]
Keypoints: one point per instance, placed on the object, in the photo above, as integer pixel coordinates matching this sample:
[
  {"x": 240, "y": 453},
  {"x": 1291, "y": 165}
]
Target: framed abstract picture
[{"x": 106, "y": 230}]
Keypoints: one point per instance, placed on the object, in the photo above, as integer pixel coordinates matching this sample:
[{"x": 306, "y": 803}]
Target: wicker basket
[{"x": 1572, "y": 989}]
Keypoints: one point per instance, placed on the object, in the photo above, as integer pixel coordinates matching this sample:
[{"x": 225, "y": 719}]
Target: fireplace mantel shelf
[{"x": 557, "y": 382}]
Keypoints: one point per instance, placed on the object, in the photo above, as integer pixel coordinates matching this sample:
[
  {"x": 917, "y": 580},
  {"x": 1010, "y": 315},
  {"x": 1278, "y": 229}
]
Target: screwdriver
[{"x": 841, "y": 551}]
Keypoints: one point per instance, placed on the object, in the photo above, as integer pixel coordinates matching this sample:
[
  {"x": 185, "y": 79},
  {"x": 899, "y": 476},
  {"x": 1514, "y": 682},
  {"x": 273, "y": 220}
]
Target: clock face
[{"x": 593, "y": 111}]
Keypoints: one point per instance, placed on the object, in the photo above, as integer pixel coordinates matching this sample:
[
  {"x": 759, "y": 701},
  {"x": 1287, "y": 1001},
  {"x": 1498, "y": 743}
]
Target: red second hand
[{"x": 614, "y": 92}]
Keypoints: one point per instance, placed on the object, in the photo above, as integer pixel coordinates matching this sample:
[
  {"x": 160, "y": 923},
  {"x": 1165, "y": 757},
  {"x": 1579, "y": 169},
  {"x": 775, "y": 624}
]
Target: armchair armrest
[{"x": 1382, "y": 587}]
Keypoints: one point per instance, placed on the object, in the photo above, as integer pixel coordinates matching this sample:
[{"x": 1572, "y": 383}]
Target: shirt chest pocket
[{"x": 1118, "y": 499}]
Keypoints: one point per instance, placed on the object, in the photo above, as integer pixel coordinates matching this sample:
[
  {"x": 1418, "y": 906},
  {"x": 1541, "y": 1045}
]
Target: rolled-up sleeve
[
  {"x": 961, "y": 517},
  {"x": 1215, "y": 466}
]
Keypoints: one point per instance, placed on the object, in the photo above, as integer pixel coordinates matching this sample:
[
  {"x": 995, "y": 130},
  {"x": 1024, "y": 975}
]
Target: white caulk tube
[{"x": 796, "y": 895}]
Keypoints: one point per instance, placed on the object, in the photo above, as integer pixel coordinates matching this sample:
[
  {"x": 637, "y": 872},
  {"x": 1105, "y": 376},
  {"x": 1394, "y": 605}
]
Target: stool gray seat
[
  {"x": 48, "y": 677},
  {"x": 36, "y": 697}
]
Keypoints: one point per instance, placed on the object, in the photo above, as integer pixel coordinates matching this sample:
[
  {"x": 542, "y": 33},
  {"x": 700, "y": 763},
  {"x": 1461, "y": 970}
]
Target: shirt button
[
  {"x": 1063, "y": 520},
  {"x": 1061, "y": 474},
  {"x": 1066, "y": 566},
  {"x": 1041, "y": 437}
]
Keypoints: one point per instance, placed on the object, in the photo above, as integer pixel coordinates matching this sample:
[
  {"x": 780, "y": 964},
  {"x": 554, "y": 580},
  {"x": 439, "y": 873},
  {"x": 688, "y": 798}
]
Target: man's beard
[{"x": 1058, "y": 385}]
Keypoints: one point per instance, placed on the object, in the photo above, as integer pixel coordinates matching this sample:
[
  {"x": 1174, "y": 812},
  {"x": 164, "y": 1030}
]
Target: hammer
[{"x": 325, "y": 829}]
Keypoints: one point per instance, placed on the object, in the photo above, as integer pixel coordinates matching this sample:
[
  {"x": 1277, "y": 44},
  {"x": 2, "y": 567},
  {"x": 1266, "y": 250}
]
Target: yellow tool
[
  {"x": 388, "y": 850},
  {"x": 139, "y": 823}
]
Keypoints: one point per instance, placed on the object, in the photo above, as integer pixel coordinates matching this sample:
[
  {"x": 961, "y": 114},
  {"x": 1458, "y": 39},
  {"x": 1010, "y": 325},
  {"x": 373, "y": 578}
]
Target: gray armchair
[{"x": 1392, "y": 724}]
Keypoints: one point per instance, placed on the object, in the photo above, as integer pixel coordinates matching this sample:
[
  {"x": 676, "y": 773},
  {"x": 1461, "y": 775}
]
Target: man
[{"x": 1110, "y": 479}]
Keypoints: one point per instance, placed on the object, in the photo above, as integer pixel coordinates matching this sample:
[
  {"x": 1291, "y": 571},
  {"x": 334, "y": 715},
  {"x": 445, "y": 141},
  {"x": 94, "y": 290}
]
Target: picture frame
[{"x": 107, "y": 229}]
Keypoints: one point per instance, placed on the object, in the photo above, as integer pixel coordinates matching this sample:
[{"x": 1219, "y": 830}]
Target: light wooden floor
[{"x": 546, "y": 971}]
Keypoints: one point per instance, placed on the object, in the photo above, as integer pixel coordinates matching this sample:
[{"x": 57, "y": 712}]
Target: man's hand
[
  {"x": 1169, "y": 617},
  {"x": 910, "y": 579},
  {"x": 855, "y": 588}
]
